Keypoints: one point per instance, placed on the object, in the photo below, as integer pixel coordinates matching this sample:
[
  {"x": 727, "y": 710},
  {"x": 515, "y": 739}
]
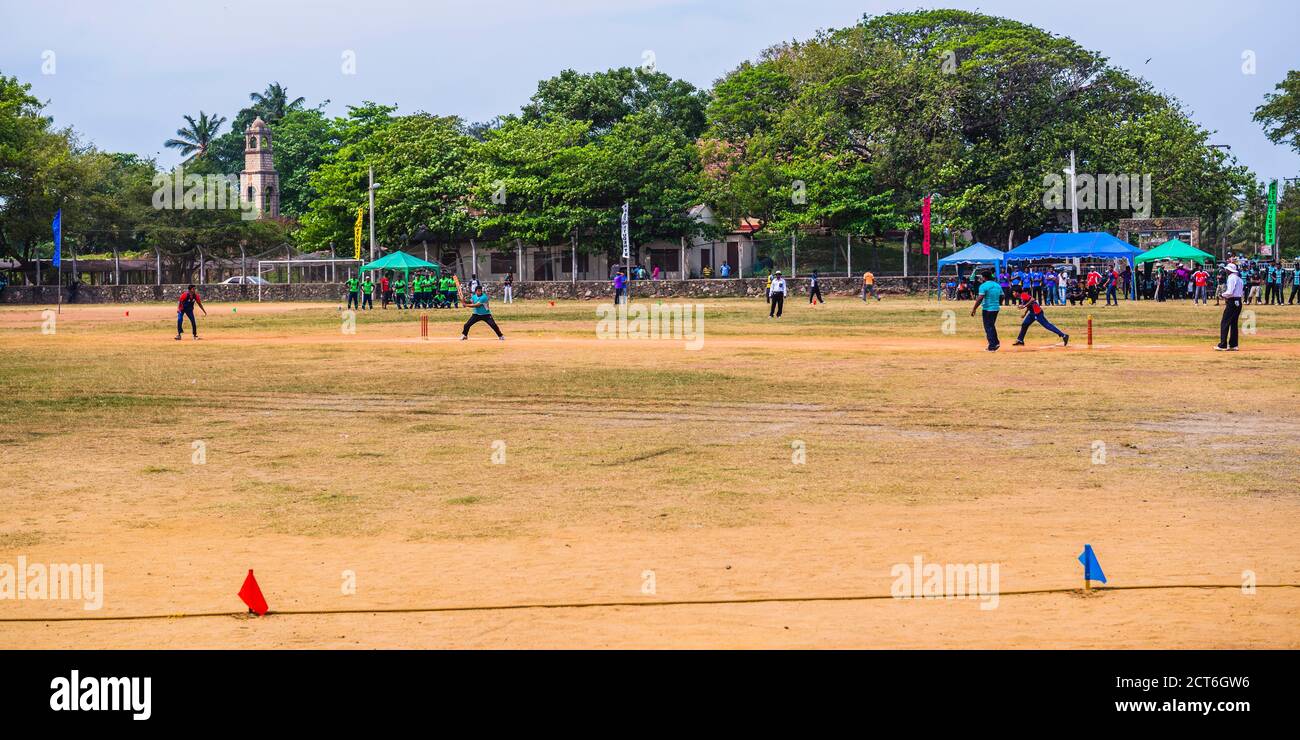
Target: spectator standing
[
  {"x": 620, "y": 287},
  {"x": 1200, "y": 286}
]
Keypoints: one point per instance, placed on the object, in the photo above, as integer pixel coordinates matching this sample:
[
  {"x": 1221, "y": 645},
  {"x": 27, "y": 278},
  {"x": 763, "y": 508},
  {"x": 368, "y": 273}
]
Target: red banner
[{"x": 925, "y": 225}]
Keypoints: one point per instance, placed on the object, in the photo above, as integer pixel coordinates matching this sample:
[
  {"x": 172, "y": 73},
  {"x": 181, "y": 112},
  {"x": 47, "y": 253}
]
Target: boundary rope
[{"x": 616, "y": 604}]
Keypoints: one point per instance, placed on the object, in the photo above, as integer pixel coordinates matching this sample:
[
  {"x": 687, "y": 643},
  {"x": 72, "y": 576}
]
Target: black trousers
[
  {"x": 180, "y": 322},
  {"x": 778, "y": 303},
  {"x": 1295, "y": 293},
  {"x": 475, "y": 318},
  {"x": 354, "y": 299},
  {"x": 815, "y": 294},
  {"x": 991, "y": 329},
  {"x": 1228, "y": 326}
]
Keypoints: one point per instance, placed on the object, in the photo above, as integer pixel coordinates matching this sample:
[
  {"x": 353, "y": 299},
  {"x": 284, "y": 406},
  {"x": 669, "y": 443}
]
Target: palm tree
[
  {"x": 195, "y": 138},
  {"x": 274, "y": 102}
]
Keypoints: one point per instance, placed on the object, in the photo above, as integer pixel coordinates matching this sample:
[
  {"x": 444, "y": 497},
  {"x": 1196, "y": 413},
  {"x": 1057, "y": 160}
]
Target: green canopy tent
[
  {"x": 401, "y": 261},
  {"x": 1174, "y": 250}
]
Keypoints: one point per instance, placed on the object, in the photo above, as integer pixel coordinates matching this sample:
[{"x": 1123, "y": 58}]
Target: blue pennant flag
[
  {"x": 58, "y": 237},
  {"x": 1091, "y": 568}
]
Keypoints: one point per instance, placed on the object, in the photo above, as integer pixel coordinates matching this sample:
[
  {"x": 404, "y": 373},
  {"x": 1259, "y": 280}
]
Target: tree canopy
[{"x": 845, "y": 131}]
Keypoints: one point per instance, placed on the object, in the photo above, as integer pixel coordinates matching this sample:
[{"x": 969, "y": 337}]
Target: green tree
[
  {"x": 194, "y": 138},
  {"x": 981, "y": 110},
  {"x": 527, "y": 184},
  {"x": 302, "y": 141},
  {"x": 273, "y": 103},
  {"x": 605, "y": 98},
  {"x": 1280, "y": 113},
  {"x": 653, "y": 167},
  {"x": 423, "y": 165}
]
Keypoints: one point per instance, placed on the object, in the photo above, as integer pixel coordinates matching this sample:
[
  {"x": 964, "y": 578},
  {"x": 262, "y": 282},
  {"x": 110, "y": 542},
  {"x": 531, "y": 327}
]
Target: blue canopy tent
[
  {"x": 978, "y": 253},
  {"x": 1093, "y": 244}
]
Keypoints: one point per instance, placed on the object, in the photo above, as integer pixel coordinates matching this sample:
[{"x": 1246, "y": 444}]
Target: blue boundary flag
[
  {"x": 58, "y": 237},
  {"x": 1091, "y": 568}
]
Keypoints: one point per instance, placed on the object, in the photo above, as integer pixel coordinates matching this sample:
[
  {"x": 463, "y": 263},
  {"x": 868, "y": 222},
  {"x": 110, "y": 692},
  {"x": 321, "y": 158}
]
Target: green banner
[{"x": 1270, "y": 224}]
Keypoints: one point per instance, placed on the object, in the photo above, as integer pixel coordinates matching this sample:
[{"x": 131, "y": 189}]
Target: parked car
[{"x": 244, "y": 280}]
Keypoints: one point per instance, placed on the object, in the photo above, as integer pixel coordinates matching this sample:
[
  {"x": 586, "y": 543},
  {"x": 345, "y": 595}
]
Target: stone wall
[{"x": 538, "y": 290}]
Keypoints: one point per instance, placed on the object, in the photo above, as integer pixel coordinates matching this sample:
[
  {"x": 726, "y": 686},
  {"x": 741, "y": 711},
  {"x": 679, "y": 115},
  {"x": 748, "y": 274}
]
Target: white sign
[{"x": 627, "y": 251}]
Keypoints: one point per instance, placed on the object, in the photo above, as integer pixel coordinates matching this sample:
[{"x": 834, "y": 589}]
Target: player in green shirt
[
  {"x": 367, "y": 293},
  {"x": 399, "y": 292},
  {"x": 353, "y": 297}
]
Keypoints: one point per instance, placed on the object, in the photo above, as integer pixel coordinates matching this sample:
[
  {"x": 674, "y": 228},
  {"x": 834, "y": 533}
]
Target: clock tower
[{"x": 258, "y": 183}]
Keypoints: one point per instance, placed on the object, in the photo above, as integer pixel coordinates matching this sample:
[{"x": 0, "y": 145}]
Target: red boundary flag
[{"x": 252, "y": 595}]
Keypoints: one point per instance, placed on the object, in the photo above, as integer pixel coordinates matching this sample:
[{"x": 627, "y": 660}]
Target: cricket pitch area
[{"x": 559, "y": 490}]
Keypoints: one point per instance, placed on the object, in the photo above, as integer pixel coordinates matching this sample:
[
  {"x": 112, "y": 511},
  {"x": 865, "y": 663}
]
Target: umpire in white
[
  {"x": 777, "y": 297},
  {"x": 1233, "y": 290}
]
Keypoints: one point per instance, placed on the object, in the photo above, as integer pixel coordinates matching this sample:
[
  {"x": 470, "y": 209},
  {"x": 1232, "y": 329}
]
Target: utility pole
[{"x": 371, "y": 191}]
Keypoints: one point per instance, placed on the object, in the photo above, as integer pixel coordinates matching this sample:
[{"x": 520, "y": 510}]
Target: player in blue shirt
[
  {"x": 479, "y": 302},
  {"x": 989, "y": 299}
]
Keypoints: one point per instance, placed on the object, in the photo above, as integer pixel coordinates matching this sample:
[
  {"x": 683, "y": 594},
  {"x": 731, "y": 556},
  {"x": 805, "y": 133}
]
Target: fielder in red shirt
[
  {"x": 1034, "y": 313},
  {"x": 185, "y": 307}
]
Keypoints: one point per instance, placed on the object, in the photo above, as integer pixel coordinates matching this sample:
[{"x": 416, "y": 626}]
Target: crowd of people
[
  {"x": 1049, "y": 287},
  {"x": 1265, "y": 283},
  {"x": 425, "y": 289}
]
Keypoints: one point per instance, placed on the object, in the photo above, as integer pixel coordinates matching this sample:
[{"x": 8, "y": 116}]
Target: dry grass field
[{"x": 621, "y": 464}]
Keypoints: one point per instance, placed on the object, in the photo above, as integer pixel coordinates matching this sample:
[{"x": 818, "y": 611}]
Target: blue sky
[{"x": 125, "y": 72}]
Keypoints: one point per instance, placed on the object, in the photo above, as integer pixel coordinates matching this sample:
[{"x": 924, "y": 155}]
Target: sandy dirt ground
[{"x": 358, "y": 490}]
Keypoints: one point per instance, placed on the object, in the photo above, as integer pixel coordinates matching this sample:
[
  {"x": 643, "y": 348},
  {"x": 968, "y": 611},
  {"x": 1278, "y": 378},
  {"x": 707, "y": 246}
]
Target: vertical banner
[
  {"x": 1270, "y": 223},
  {"x": 356, "y": 233},
  {"x": 57, "y": 226},
  {"x": 925, "y": 225},
  {"x": 627, "y": 244}
]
